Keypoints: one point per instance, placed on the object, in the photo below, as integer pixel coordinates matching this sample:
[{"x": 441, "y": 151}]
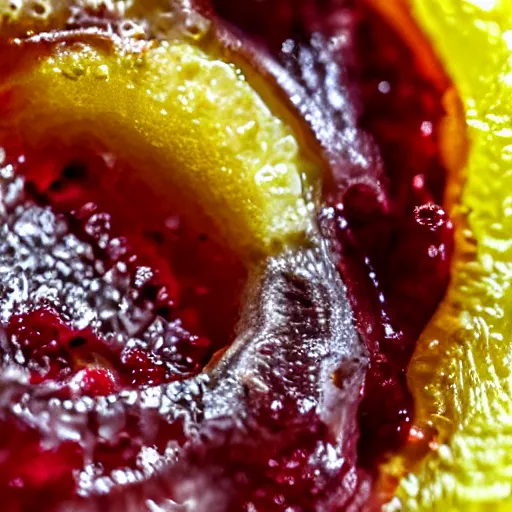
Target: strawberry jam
[
  {"x": 138, "y": 288},
  {"x": 395, "y": 228},
  {"x": 125, "y": 385},
  {"x": 93, "y": 303}
]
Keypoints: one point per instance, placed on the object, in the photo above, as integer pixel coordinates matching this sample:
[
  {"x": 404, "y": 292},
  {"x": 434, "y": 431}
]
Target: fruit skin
[
  {"x": 460, "y": 374},
  {"x": 170, "y": 107}
]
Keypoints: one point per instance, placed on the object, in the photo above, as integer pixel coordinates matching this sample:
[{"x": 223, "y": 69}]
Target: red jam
[
  {"x": 98, "y": 298},
  {"x": 402, "y": 238}
]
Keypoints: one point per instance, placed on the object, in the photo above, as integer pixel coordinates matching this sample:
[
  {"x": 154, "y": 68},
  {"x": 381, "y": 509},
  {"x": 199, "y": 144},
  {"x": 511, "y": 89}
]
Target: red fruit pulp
[
  {"x": 180, "y": 272},
  {"x": 98, "y": 298},
  {"x": 404, "y": 241},
  {"x": 37, "y": 477}
]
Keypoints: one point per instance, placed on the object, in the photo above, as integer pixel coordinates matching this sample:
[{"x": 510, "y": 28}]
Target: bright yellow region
[
  {"x": 186, "y": 121},
  {"x": 461, "y": 373}
]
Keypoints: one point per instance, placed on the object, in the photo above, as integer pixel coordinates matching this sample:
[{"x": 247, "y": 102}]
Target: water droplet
[{"x": 102, "y": 72}]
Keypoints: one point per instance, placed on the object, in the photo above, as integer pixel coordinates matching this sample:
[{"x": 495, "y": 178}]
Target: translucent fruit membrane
[{"x": 113, "y": 303}]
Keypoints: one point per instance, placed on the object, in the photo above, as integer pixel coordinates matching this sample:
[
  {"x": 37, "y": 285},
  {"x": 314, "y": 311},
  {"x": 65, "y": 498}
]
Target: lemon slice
[
  {"x": 461, "y": 372},
  {"x": 185, "y": 120}
]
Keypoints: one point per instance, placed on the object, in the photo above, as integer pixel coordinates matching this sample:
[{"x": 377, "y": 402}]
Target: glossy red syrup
[{"x": 396, "y": 242}]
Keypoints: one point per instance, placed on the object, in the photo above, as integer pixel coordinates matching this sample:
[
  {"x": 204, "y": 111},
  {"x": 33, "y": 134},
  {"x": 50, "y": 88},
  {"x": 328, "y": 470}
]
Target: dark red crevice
[{"x": 406, "y": 241}]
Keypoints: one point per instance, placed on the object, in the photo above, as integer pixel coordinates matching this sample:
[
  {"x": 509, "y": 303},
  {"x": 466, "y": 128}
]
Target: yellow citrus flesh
[
  {"x": 186, "y": 121},
  {"x": 461, "y": 372}
]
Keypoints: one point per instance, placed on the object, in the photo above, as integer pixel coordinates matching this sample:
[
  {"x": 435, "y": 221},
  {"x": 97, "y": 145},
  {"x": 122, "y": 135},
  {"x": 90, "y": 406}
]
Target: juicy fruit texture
[
  {"x": 95, "y": 311},
  {"x": 296, "y": 447},
  {"x": 87, "y": 321},
  {"x": 169, "y": 441},
  {"x": 172, "y": 108},
  {"x": 172, "y": 270},
  {"x": 460, "y": 373},
  {"x": 272, "y": 422},
  {"x": 394, "y": 241}
]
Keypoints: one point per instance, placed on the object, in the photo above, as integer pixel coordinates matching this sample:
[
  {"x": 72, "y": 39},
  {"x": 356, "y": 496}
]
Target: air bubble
[
  {"x": 12, "y": 9},
  {"x": 196, "y": 26},
  {"x": 180, "y": 22},
  {"x": 130, "y": 29},
  {"x": 40, "y": 9}
]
